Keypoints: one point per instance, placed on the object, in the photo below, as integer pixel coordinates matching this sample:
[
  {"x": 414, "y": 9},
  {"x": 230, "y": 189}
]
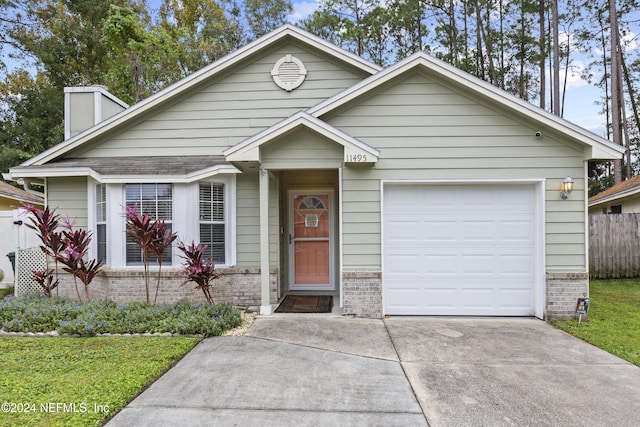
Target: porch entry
[{"x": 311, "y": 240}]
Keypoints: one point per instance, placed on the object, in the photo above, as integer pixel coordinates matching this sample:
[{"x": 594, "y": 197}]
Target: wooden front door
[{"x": 310, "y": 240}]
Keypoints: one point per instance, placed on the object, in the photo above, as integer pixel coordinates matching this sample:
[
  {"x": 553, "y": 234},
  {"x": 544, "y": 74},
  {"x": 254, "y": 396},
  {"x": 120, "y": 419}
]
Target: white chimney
[{"x": 86, "y": 106}]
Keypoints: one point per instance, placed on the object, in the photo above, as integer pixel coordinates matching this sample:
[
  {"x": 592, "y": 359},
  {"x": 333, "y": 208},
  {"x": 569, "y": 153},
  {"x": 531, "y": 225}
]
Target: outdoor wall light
[{"x": 567, "y": 188}]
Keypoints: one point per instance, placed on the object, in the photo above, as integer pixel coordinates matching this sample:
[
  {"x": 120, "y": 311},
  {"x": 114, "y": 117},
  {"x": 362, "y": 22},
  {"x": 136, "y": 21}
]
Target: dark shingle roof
[
  {"x": 148, "y": 165},
  {"x": 624, "y": 186},
  {"x": 8, "y": 191}
]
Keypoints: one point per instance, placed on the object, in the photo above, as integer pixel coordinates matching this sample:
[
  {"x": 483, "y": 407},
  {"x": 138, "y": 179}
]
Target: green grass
[
  {"x": 5, "y": 291},
  {"x": 614, "y": 318},
  {"x": 98, "y": 376}
]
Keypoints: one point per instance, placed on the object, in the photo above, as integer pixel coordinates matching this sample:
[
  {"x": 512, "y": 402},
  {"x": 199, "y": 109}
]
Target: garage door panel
[
  {"x": 481, "y": 298},
  {"x": 478, "y": 231},
  {"x": 462, "y": 250},
  {"x": 403, "y": 265},
  {"x": 517, "y": 231},
  {"x": 402, "y": 231},
  {"x": 443, "y": 299},
  {"x": 516, "y": 298},
  {"x": 405, "y": 300},
  {"x": 476, "y": 265},
  {"x": 517, "y": 265}
]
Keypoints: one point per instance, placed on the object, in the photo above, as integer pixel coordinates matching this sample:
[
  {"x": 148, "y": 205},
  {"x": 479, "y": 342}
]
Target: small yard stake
[{"x": 582, "y": 308}]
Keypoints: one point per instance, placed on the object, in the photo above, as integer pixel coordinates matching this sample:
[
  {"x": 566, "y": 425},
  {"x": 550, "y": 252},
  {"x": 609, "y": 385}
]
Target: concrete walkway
[{"x": 292, "y": 370}]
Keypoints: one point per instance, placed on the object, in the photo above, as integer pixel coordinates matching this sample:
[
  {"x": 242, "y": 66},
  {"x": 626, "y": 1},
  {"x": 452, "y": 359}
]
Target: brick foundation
[
  {"x": 563, "y": 291},
  {"x": 362, "y": 293},
  {"x": 239, "y": 286}
]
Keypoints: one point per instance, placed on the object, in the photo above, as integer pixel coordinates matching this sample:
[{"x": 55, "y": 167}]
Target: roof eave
[
  {"x": 613, "y": 197},
  {"x": 16, "y": 173}
]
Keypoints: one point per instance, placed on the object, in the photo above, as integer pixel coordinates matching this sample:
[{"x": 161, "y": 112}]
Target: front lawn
[
  {"x": 614, "y": 318},
  {"x": 5, "y": 292},
  {"x": 79, "y": 381},
  {"x": 65, "y": 381}
]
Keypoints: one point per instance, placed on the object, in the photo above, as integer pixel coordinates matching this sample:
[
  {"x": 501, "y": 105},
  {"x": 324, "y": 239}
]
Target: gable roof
[
  {"x": 624, "y": 189},
  {"x": 10, "y": 192},
  {"x": 600, "y": 148},
  {"x": 248, "y": 150},
  {"x": 197, "y": 78}
]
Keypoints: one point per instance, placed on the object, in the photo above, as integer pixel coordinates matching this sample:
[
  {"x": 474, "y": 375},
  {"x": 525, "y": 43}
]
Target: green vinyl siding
[
  {"x": 229, "y": 108},
  {"x": 426, "y": 131},
  {"x": 69, "y": 197},
  {"x": 302, "y": 149},
  {"x": 248, "y": 220}
]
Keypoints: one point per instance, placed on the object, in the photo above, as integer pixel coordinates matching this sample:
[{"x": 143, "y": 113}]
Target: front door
[{"x": 310, "y": 240}]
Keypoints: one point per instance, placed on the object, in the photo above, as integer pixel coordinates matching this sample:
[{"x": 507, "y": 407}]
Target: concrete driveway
[{"x": 292, "y": 370}]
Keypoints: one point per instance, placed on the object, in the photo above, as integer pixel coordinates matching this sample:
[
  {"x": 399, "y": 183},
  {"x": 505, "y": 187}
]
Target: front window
[
  {"x": 156, "y": 201},
  {"x": 212, "y": 220},
  {"x": 101, "y": 221}
]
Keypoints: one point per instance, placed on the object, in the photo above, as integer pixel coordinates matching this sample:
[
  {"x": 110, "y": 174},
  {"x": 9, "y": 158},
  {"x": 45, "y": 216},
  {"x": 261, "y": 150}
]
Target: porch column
[{"x": 265, "y": 296}]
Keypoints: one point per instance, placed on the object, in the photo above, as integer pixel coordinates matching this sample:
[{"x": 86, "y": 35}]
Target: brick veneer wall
[
  {"x": 239, "y": 286},
  {"x": 563, "y": 291},
  {"x": 362, "y": 293}
]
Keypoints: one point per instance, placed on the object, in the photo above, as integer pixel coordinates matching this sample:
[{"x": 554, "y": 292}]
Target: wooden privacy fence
[{"x": 614, "y": 246}]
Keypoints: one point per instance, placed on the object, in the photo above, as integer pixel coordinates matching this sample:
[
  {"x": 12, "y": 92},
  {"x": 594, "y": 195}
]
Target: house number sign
[{"x": 355, "y": 158}]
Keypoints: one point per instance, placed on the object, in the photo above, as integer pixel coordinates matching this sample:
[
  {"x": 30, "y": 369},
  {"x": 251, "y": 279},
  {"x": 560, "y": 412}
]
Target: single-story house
[
  {"x": 620, "y": 198},
  {"x": 415, "y": 189}
]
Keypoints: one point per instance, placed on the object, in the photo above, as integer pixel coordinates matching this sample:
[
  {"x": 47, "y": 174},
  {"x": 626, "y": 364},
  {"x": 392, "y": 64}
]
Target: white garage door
[{"x": 459, "y": 250}]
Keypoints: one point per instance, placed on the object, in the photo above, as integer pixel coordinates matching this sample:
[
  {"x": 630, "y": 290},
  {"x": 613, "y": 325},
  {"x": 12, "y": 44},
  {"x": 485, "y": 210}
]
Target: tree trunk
[
  {"x": 615, "y": 89},
  {"x": 566, "y": 76},
  {"x": 454, "y": 32},
  {"x": 556, "y": 58},
  {"x": 543, "y": 54}
]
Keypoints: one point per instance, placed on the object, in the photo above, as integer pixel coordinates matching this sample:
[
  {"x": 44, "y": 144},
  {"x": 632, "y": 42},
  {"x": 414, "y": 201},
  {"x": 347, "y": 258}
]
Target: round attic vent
[{"x": 289, "y": 72}]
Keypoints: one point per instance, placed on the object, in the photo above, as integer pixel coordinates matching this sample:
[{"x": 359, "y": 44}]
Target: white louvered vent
[{"x": 289, "y": 73}]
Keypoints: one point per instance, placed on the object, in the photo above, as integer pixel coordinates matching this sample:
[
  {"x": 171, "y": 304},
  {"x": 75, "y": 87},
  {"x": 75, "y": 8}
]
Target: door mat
[{"x": 306, "y": 304}]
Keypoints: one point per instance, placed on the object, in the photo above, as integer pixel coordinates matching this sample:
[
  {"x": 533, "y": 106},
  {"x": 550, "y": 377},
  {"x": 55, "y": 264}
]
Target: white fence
[{"x": 16, "y": 237}]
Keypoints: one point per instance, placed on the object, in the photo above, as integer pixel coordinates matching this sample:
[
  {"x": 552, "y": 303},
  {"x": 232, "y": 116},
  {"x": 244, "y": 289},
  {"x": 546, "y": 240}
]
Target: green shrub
[{"x": 34, "y": 313}]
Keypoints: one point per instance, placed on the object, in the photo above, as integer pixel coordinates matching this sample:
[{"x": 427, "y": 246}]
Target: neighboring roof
[
  {"x": 132, "y": 169},
  {"x": 624, "y": 189},
  {"x": 248, "y": 150},
  {"x": 10, "y": 192},
  {"x": 215, "y": 68},
  {"x": 600, "y": 147}
]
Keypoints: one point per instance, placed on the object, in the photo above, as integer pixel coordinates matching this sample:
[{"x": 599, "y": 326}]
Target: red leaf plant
[
  {"x": 198, "y": 269},
  {"x": 45, "y": 278},
  {"x": 72, "y": 257},
  {"x": 162, "y": 240},
  {"x": 152, "y": 237},
  {"x": 68, "y": 247}
]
